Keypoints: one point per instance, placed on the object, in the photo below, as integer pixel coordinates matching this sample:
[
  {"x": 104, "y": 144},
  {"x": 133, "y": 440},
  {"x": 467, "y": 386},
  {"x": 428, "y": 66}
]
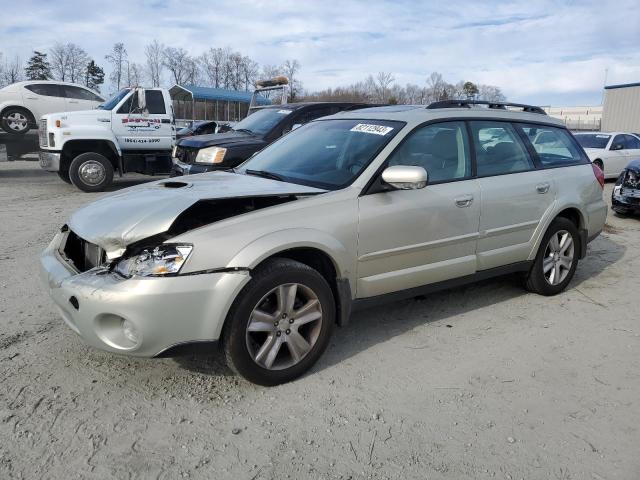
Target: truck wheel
[
  {"x": 557, "y": 259},
  {"x": 280, "y": 323},
  {"x": 64, "y": 176},
  {"x": 16, "y": 120},
  {"x": 91, "y": 172}
]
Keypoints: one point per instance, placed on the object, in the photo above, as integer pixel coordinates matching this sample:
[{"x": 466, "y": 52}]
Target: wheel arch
[
  {"x": 73, "y": 148},
  {"x": 575, "y": 215}
]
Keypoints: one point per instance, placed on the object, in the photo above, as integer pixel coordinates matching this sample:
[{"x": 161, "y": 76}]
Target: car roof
[{"x": 416, "y": 114}]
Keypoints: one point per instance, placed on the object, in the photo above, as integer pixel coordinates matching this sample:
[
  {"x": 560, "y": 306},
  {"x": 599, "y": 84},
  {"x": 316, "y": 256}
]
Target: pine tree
[
  {"x": 94, "y": 76},
  {"x": 38, "y": 67}
]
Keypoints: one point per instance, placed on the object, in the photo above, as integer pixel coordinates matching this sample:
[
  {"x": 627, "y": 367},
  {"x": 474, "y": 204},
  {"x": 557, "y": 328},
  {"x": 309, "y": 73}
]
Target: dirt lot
[{"x": 485, "y": 381}]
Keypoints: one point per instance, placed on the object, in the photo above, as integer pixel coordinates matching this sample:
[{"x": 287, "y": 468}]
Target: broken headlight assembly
[
  {"x": 154, "y": 262},
  {"x": 211, "y": 155}
]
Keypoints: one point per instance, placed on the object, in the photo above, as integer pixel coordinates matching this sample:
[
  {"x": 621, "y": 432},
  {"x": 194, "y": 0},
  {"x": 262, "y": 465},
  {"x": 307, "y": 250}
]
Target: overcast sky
[{"x": 543, "y": 52}]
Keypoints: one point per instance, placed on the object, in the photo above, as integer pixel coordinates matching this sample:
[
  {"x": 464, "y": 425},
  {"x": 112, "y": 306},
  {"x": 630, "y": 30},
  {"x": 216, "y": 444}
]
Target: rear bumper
[
  {"x": 164, "y": 312},
  {"x": 49, "y": 161}
]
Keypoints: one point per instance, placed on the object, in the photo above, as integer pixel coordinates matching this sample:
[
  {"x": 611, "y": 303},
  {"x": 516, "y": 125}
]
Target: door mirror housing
[
  {"x": 617, "y": 146},
  {"x": 405, "y": 177},
  {"x": 142, "y": 101}
]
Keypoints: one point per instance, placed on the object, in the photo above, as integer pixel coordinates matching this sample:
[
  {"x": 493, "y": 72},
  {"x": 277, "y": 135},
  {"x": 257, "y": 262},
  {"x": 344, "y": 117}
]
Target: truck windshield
[
  {"x": 593, "y": 140},
  {"x": 327, "y": 154},
  {"x": 262, "y": 121},
  {"x": 115, "y": 100}
]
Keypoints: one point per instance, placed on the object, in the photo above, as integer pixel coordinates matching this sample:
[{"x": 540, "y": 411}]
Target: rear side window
[
  {"x": 555, "y": 146},
  {"x": 155, "y": 102},
  {"x": 631, "y": 142},
  {"x": 80, "y": 93},
  {"x": 442, "y": 149},
  {"x": 46, "y": 89},
  {"x": 499, "y": 149}
]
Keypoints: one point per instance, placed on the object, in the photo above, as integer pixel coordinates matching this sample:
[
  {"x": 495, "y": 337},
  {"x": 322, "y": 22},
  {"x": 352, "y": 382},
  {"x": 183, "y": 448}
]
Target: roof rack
[{"x": 496, "y": 105}]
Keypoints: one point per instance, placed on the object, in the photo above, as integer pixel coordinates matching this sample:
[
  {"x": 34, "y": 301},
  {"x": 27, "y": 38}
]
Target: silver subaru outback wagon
[{"x": 344, "y": 212}]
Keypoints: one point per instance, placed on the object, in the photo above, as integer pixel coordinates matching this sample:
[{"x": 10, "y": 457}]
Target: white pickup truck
[{"x": 134, "y": 131}]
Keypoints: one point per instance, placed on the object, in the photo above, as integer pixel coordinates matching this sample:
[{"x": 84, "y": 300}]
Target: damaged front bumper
[
  {"x": 140, "y": 316},
  {"x": 625, "y": 199}
]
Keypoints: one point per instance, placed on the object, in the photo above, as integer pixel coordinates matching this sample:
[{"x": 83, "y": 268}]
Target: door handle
[
  {"x": 464, "y": 201},
  {"x": 32, "y": 98},
  {"x": 73, "y": 101},
  {"x": 542, "y": 187}
]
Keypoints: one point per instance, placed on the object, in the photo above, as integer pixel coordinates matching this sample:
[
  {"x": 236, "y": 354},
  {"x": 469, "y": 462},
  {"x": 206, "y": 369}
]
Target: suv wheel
[
  {"x": 91, "y": 172},
  {"x": 557, "y": 259},
  {"x": 16, "y": 120},
  {"x": 280, "y": 323}
]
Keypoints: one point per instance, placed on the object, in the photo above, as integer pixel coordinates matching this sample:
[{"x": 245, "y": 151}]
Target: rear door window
[
  {"x": 80, "y": 93},
  {"x": 631, "y": 142},
  {"x": 499, "y": 149},
  {"x": 555, "y": 147},
  {"x": 46, "y": 89}
]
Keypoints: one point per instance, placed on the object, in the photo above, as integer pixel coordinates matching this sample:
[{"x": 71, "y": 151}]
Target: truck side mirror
[{"x": 142, "y": 101}]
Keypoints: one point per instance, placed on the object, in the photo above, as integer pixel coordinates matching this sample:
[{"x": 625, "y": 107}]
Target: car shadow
[{"x": 365, "y": 330}]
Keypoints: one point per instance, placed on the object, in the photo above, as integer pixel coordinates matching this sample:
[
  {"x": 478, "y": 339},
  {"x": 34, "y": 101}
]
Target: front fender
[
  {"x": 74, "y": 133},
  {"x": 268, "y": 245}
]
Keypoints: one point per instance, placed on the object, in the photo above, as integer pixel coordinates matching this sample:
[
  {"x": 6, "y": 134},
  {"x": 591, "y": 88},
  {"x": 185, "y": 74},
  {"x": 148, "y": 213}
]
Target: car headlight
[
  {"x": 211, "y": 155},
  {"x": 156, "y": 262}
]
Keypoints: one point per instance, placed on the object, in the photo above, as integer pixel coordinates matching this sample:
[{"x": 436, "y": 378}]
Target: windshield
[
  {"x": 115, "y": 100},
  {"x": 262, "y": 121},
  {"x": 184, "y": 131},
  {"x": 327, "y": 154},
  {"x": 593, "y": 140}
]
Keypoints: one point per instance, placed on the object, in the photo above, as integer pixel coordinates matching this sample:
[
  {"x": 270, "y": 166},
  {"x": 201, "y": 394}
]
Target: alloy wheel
[
  {"x": 17, "y": 121},
  {"x": 284, "y": 326},
  {"x": 558, "y": 257}
]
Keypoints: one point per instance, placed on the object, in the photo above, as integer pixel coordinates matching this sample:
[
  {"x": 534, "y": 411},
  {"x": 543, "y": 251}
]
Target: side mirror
[
  {"x": 617, "y": 146},
  {"x": 142, "y": 101},
  {"x": 405, "y": 177}
]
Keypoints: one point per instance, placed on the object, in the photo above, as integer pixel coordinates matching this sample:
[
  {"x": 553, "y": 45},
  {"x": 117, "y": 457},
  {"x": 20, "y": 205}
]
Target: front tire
[
  {"x": 557, "y": 259},
  {"x": 91, "y": 172},
  {"x": 16, "y": 120},
  {"x": 64, "y": 176},
  {"x": 280, "y": 323}
]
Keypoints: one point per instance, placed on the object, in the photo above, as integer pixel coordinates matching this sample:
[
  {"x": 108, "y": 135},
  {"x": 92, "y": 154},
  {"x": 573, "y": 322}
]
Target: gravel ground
[{"x": 485, "y": 381}]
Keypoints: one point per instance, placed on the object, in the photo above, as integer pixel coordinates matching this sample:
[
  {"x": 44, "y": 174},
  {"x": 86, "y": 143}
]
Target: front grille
[
  {"x": 81, "y": 254},
  {"x": 187, "y": 154},
  {"x": 42, "y": 133}
]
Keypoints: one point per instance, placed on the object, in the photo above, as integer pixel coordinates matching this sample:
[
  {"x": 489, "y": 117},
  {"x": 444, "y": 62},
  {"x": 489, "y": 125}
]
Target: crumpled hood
[
  {"x": 226, "y": 139},
  {"x": 133, "y": 214}
]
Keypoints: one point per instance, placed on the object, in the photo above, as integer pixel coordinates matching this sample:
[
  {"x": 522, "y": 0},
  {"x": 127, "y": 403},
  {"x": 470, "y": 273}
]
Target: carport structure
[{"x": 192, "y": 102}]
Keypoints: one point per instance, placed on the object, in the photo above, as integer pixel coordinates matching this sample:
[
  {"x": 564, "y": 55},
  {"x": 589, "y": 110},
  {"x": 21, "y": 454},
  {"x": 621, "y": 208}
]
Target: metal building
[
  {"x": 621, "y": 110},
  {"x": 191, "y": 102}
]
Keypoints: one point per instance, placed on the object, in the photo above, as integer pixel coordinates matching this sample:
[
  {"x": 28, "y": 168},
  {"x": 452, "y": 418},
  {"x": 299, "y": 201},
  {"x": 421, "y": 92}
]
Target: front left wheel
[
  {"x": 91, "y": 172},
  {"x": 280, "y": 323}
]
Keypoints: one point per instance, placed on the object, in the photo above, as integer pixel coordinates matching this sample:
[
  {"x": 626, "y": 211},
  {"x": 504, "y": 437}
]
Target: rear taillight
[{"x": 599, "y": 174}]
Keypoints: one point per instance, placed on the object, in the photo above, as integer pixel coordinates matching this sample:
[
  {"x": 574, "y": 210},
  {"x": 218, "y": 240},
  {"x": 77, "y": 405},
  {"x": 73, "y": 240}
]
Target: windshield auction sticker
[{"x": 369, "y": 128}]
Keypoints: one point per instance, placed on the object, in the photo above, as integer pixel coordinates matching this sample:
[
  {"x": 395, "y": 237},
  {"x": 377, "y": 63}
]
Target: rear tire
[
  {"x": 16, "y": 120},
  {"x": 599, "y": 164},
  {"x": 557, "y": 258},
  {"x": 280, "y": 323},
  {"x": 91, "y": 172}
]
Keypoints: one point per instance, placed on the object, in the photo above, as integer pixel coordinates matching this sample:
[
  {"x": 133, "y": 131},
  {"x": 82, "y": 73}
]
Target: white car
[
  {"x": 22, "y": 103},
  {"x": 610, "y": 151}
]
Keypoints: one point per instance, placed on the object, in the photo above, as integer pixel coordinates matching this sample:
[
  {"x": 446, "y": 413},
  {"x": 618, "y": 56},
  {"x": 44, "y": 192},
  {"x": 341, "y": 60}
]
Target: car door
[
  {"x": 409, "y": 238},
  {"x": 616, "y": 157},
  {"x": 515, "y": 194},
  {"x": 148, "y": 130},
  {"x": 78, "y": 98},
  {"x": 43, "y": 98}
]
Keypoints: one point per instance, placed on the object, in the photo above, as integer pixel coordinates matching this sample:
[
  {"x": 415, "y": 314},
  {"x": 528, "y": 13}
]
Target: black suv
[{"x": 205, "y": 153}]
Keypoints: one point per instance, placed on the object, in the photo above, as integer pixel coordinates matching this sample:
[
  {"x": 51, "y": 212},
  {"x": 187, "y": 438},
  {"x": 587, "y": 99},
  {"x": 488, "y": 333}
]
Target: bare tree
[
  {"x": 213, "y": 64},
  {"x": 182, "y": 67},
  {"x": 490, "y": 93},
  {"x": 250, "y": 73},
  {"x": 383, "y": 83},
  {"x": 117, "y": 58},
  {"x": 290, "y": 69},
  {"x": 134, "y": 74},
  {"x": 77, "y": 60},
  {"x": 154, "y": 66},
  {"x": 59, "y": 60},
  {"x": 270, "y": 71},
  {"x": 12, "y": 71}
]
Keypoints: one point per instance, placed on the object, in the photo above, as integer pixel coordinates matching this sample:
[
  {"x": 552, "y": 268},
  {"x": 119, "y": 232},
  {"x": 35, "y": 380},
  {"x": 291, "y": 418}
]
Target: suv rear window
[
  {"x": 499, "y": 149},
  {"x": 555, "y": 146}
]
